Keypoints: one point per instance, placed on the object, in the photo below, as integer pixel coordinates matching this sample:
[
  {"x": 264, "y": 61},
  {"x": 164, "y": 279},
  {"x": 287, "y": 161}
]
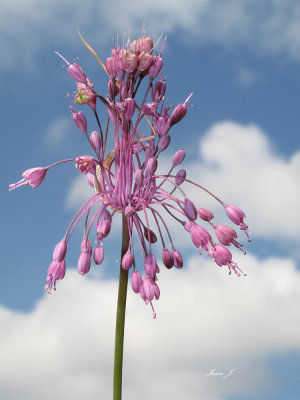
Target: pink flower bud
[
  {"x": 180, "y": 177},
  {"x": 227, "y": 235},
  {"x": 163, "y": 142},
  {"x": 145, "y": 44},
  {"x": 113, "y": 88},
  {"x": 150, "y": 289},
  {"x": 84, "y": 263},
  {"x": 161, "y": 124},
  {"x": 103, "y": 228},
  {"x": 150, "y": 265},
  {"x": 237, "y": 216},
  {"x": 178, "y": 157},
  {"x": 85, "y": 164},
  {"x": 129, "y": 108},
  {"x": 221, "y": 255},
  {"x": 79, "y": 120},
  {"x": 205, "y": 214},
  {"x": 159, "y": 90},
  {"x": 151, "y": 165},
  {"x": 60, "y": 250},
  {"x": 76, "y": 73},
  {"x": 129, "y": 61},
  {"x": 33, "y": 177},
  {"x": 98, "y": 254},
  {"x": 178, "y": 113},
  {"x": 137, "y": 147},
  {"x": 136, "y": 281},
  {"x": 150, "y": 108},
  {"x": 157, "y": 63},
  {"x": 200, "y": 236},
  {"x": 127, "y": 261},
  {"x": 168, "y": 259},
  {"x": 150, "y": 235},
  {"x": 95, "y": 140},
  {"x": 86, "y": 246},
  {"x": 56, "y": 270},
  {"x": 190, "y": 209},
  {"x": 144, "y": 61},
  {"x": 106, "y": 214},
  {"x": 138, "y": 177},
  {"x": 177, "y": 259},
  {"x": 110, "y": 65}
]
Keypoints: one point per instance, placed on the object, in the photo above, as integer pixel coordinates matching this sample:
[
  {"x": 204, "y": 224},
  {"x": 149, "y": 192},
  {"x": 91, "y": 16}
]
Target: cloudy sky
[{"x": 241, "y": 59}]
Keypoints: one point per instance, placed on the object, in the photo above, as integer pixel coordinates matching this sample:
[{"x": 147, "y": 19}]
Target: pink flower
[
  {"x": 237, "y": 216},
  {"x": 33, "y": 177},
  {"x": 85, "y": 164},
  {"x": 227, "y": 236},
  {"x": 222, "y": 256}
]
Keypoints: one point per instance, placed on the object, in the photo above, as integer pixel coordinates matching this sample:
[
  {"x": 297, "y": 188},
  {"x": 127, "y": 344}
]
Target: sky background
[{"x": 241, "y": 59}]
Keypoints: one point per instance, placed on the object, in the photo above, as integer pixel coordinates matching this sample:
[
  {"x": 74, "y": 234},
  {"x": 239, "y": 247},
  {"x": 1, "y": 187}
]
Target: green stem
[{"x": 120, "y": 320}]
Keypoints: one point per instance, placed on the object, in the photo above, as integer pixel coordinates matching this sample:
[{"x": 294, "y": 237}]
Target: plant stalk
[{"x": 120, "y": 319}]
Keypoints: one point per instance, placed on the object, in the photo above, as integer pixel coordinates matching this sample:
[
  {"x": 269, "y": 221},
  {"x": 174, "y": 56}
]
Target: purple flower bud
[
  {"x": 178, "y": 113},
  {"x": 79, "y": 120},
  {"x": 127, "y": 261},
  {"x": 95, "y": 140},
  {"x": 84, "y": 263},
  {"x": 159, "y": 90},
  {"x": 137, "y": 147},
  {"x": 163, "y": 142},
  {"x": 136, "y": 281},
  {"x": 180, "y": 177},
  {"x": 138, "y": 177},
  {"x": 150, "y": 265},
  {"x": 129, "y": 108},
  {"x": 98, "y": 254},
  {"x": 86, "y": 246},
  {"x": 157, "y": 63},
  {"x": 103, "y": 228},
  {"x": 168, "y": 259},
  {"x": 76, "y": 73},
  {"x": 151, "y": 165},
  {"x": 150, "y": 108},
  {"x": 177, "y": 259},
  {"x": 113, "y": 88},
  {"x": 190, "y": 209},
  {"x": 161, "y": 124},
  {"x": 178, "y": 157},
  {"x": 150, "y": 235},
  {"x": 205, "y": 214},
  {"x": 106, "y": 214},
  {"x": 237, "y": 216},
  {"x": 60, "y": 250}
]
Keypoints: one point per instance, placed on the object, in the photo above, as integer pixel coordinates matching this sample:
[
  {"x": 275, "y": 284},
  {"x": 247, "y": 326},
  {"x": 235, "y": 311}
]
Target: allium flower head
[{"x": 123, "y": 170}]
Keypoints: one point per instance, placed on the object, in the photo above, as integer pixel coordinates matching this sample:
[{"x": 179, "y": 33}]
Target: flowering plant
[{"x": 126, "y": 181}]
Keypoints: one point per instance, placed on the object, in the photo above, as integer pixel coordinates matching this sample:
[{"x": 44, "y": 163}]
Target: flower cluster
[{"x": 125, "y": 178}]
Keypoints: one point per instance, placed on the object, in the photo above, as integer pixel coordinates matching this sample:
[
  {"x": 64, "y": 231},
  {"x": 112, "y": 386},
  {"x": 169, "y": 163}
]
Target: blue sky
[{"x": 241, "y": 60}]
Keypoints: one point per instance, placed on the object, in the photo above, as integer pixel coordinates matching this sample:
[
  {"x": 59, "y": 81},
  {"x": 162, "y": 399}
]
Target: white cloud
[
  {"x": 57, "y": 131},
  {"x": 79, "y": 192},
  {"x": 266, "y": 27},
  {"x": 206, "y": 320}
]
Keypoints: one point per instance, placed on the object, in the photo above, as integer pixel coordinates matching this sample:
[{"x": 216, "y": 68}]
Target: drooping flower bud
[
  {"x": 150, "y": 289},
  {"x": 150, "y": 235},
  {"x": 139, "y": 177},
  {"x": 178, "y": 157},
  {"x": 237, "y": 216},
  {"x": 84, "y": 263},
  {"x": 227, "y": 236},
  {"x": 157, "y": 63},
  {"x": 127, "y": 261},
  {"x": 168, "y": 259},
  {"x": 79, "y": 120},
  {"x": 159, "y": 90},
  {"x": 56, "y": 270},
  {"x": 180, "y": 177},
  {"x": 103, "y": 228},
  {"x": 106, "y": 214},
  {"x": 163, "y": 143},
  {"x": 177, "y": 259},
  {"x": 86, "y": 247},
  {"x": 190, "y": 209},
  {"x": 151, "y": 165},
  {"x": 150, "y": 265},
  {"x": 136, "y": 281},
  {"x": 60, "y": 250},
  {"x": 98, "y": 254},
  {"x": 222, "y": 256},
  {"x": 95, "y": 140},
  {"x": 200, "y": 236},
  {"x": 205, "y": 214}
]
